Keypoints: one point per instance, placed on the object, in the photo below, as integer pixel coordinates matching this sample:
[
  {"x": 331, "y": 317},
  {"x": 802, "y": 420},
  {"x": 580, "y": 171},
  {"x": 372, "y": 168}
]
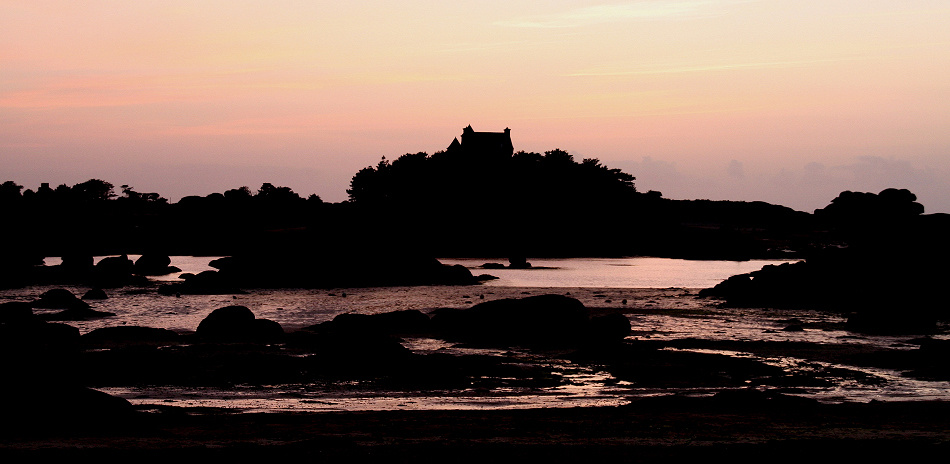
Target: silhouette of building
[{"x": 483, "y": 143}]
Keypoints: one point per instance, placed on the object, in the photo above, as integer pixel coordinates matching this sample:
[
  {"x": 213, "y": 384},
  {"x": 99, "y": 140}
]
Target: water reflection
[{"x": 615, "y": 272}]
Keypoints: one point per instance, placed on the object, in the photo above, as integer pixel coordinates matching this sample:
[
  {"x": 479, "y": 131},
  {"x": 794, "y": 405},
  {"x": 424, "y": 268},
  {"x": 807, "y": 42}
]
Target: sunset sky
[{"x": 784, "y": 101}]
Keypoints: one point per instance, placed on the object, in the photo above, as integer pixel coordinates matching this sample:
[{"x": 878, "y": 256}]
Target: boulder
[
  {"x": 114, "y": 271},
  {"x": 544, "y": 320},
  {"x": 203, "y": 283},
  {"x": 405, "y": 322},
  {"x": 608, "y": 328},
  {"x": 77, "y": 263},
  {"x": 95, "y": 294},
  {"x": 59, "y": 298},
  {"x": 154, "y": 264},
  {"x": 238, "y": 324},
  {"x": 16, "y": 312},
  {"x": 119, "y": 265},
  {"x": 129, "y": 335},
  {"x": 76, "y": 314}
]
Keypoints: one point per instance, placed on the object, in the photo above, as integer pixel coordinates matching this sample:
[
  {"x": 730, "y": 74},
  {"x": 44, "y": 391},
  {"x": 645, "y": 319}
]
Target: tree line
[{"x": 444, "y": 204}]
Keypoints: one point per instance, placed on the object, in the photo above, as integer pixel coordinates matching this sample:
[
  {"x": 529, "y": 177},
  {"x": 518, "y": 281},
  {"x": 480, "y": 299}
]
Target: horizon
[{"x": 789, "y": 103}]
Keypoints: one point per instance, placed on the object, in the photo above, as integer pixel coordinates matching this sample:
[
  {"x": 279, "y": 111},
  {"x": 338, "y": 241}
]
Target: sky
[{"x": 789, "y": 102}]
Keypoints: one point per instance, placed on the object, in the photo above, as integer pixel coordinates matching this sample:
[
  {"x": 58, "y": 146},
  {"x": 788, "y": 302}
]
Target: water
[
  {"x": 615, "y": 272},
  {"x": 658, "y": 295}
]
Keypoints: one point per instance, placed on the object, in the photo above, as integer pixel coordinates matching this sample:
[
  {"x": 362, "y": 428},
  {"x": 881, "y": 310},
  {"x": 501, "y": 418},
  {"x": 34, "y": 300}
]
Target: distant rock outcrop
[
  {"x": 881, "y": 275},
  {"x": 334, "y": 270}
]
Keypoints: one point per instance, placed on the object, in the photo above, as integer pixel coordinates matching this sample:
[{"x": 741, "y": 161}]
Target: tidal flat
[{"x": 691, "y": 376}]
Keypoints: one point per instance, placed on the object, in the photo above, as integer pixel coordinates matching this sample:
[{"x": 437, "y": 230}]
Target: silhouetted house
[{"x": 484, "y": 143}]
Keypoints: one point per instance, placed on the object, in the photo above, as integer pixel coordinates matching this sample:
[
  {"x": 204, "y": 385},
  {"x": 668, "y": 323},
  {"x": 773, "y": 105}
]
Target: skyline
[{"x": 779, "y": 101}]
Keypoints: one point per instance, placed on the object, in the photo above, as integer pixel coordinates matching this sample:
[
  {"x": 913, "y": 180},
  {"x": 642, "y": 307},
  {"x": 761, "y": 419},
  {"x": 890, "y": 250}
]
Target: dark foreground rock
[
  {"x": 544, "y": 320},
  {"x": 123, "y": 336}
]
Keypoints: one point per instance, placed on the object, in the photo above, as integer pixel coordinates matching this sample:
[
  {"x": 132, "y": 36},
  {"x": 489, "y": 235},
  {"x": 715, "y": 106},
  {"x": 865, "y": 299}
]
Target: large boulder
[
  {"x": 544, "y": 320},
  {"x": 73, "y": 308},
  {"x": 59, "y": 298},
  {"x": 34, "y": 353},
  {"x": 114, "y": 271},
  {"x": 95, "y": 294},
  {"x": 154, "y": 264},
  {"x": 238, "y": 324},
  {"x": 16, "y": 312},
  {"x": 396, "y": 323}
]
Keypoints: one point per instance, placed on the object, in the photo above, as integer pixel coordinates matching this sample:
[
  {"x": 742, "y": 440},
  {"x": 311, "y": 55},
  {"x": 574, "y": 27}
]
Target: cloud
[
  {"x": 683, "y": 69},
  {"x": 630, "y": 11}
]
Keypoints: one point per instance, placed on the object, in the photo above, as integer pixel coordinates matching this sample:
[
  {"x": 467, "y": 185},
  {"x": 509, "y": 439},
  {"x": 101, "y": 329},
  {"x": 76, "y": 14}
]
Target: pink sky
[{"x": 789, "y": 102}]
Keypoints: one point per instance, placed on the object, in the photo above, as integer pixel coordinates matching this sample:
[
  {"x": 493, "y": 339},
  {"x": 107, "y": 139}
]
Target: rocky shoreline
[{"x": 55, "y": 411}]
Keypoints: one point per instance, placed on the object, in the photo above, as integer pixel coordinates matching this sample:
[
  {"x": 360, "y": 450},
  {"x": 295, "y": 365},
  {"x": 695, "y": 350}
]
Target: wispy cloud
[
  {"x": 599, "y": 14},
  {"x": 673, "y": 69}
]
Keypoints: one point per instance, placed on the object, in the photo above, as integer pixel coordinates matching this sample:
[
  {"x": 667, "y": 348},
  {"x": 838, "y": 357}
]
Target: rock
[
  {"x": 203, "y": 283},
  {"x": 76, "y": 314},
  {"x": 886, "y": 323},
  {"x": 119, "y": 265},
  {"x": 77, "y": 263},
  {"x": 114, "y": 271},
  {"x": 405, "y": 322},
  {"x": 337, "y": 270},
  {"x": 62, "y": 408},
  {"x": 238, "y": 324},
  {"x": 36, "y": 353},
  {"x": 352, "y": 353},
  {"x": 129, "y": 335},
  {"x": 16, "y": 312},
  {"x": 544, "y": 320},
  {"x": 608, "y": 328},
  {"x": 154, "y": 264},
  {"x": 59, "y": 298},
  {"x": 95, "y": 294}
]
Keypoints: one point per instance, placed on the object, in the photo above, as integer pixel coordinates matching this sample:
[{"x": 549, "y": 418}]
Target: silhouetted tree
[
  {"x": 93, "y": 190},
  {"x": 271, "y": 194},
  {"x": 239, "y": 194},
  {"x": 131, "y": 196},
  {"x": 10, "y": 191}
]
